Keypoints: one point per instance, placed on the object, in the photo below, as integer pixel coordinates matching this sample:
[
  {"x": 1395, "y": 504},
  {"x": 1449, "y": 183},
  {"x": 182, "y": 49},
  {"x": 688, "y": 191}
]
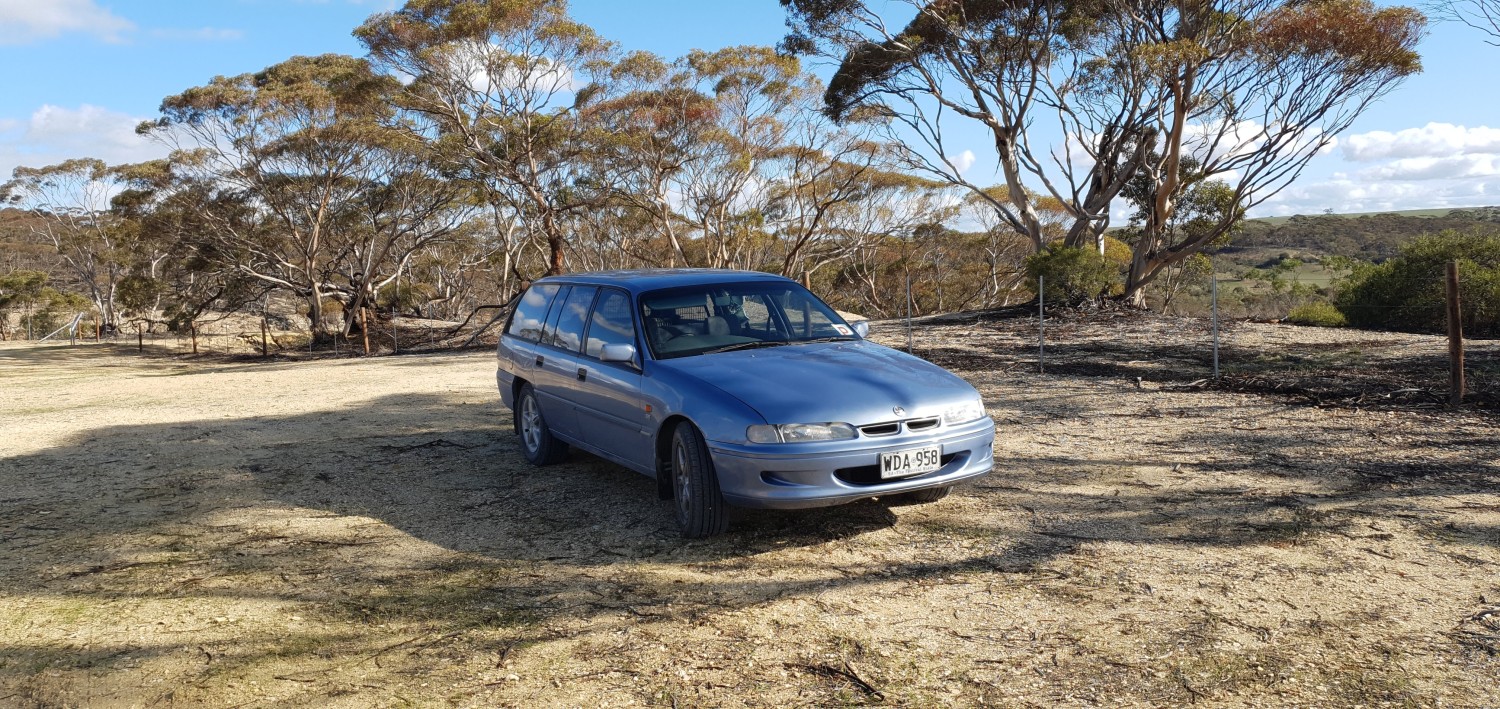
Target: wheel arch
[
  {"x": 662, "y": 446},
  {"x": 515, "y": 396}
]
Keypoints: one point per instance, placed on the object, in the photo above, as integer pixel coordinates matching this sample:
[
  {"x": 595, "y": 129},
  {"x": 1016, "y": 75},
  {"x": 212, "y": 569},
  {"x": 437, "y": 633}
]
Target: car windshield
[{"x": 704, "y": 319}]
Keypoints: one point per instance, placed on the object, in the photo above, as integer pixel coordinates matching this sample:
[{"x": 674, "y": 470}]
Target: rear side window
[
  {"x": 575, "y": 311},
  {"x": 531, "y": 312},
  {"x": 551, "y": 326},
  {"x": 611, "y": 323}
]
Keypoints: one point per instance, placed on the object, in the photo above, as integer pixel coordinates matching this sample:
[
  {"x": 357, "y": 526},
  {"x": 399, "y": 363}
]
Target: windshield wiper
[
  {"x": 830, "y": 338},
  {"x": 744, "y": 346}
]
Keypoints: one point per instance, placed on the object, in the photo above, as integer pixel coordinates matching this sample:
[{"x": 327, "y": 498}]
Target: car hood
[{"x": 858, "y": 382}]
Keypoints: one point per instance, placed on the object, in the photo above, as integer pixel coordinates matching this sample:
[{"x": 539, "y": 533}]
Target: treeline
[
  {"x": 1374, "y": 237},
  {"x": 479, "y": 145}
]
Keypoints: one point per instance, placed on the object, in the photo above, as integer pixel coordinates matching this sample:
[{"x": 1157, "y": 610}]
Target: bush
[
  {"x": 1408, "y": 292},
  {"x": 1320, "y": 313},
  {"x": 1074, "y": 275}
]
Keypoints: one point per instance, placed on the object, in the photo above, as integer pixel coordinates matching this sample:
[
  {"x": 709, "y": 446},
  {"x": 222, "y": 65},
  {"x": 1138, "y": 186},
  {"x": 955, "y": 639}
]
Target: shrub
[
  {"x": 1408, "y": 292},
  {"x": 1320, "y": 313},
  {"x": 1073, "y": 275}
]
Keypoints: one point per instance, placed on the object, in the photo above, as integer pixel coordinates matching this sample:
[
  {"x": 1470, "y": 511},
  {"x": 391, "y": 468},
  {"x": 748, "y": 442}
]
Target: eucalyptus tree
[
  {"x": 759, "y": 98},
  {"x": 659, "y": 127},
  {"x": 295, "y": 144},
  {"x": 405, "y": 207},
  {"x": 95, "y": 241},
  {"x": 840, "y": 194},
  {"x": 1482, "y": 15},
  {"x": 1252, "y": 89},
  {"x": 505, "y": 87}
]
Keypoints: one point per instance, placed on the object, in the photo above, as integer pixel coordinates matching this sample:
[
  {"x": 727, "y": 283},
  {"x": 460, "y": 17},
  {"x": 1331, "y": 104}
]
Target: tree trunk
[
  {"x": 315, "y": 311},
  {"x": 1009, "y": 163}
]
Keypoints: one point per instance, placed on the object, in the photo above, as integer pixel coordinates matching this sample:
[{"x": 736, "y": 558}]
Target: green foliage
[
  {"x": 27, "y": 292},
  {"x": 21, "y": 288},
  {"x": 405, "y": 296},
  {"x": 1318, "y": 312},
  {"x": 139, "y": 292},
  {"x": 1073, "y": 275},
  {"x": 1370, "y": 237},
  {"x": 56, "y": 308},
  {"x": 1408, "y": 292}
]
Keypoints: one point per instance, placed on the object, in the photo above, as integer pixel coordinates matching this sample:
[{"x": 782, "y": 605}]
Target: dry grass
[{"x": 362, "y": 532}]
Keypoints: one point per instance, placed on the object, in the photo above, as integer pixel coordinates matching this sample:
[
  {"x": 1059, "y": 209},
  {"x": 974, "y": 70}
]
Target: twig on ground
[
  {"x": 846, "y": 672},
  {"x": 430, "y": 444}
]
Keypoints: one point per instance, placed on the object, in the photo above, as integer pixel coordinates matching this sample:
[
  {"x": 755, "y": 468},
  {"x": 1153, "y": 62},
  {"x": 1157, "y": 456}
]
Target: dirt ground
[{"x": 364, "y": 532}]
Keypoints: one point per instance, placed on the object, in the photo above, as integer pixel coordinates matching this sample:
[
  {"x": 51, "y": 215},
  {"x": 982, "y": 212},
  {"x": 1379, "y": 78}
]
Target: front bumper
[{"x": 799, "y": 475}]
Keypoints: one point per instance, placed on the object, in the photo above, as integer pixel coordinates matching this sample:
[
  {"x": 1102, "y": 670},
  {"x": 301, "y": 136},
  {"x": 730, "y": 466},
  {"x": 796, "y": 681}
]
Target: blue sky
[{"x": 82, "y": 73}]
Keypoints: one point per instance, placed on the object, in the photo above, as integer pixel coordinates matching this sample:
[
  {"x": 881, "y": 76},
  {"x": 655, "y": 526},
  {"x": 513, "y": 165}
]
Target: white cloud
[
  {"x": 1445, "y": 168},
  {"x": 54, "y": 134},
  {"x": 1345, "y": 195},
  {"x": 27, "y": 21},
  {"x": 1431, "y": 167},
  {"x": 1434, "y": 140},
  {"x": 201, "y": 34},
  {"x": 964, "y": 161}
]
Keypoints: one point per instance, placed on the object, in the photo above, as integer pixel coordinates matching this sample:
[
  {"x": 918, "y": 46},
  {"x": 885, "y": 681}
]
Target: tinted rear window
[
  {"x": 569, "y": 332},
  {"x": 531, "y": 312}
]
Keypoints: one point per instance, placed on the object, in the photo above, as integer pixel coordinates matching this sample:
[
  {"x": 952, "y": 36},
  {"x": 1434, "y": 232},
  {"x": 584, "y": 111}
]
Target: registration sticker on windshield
[{"x": 843, "y": 330}]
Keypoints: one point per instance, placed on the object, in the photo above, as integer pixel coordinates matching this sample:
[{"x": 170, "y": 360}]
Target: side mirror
[
  {"x": 617, "y": 353},
  {"x": 862, "y": 328}
]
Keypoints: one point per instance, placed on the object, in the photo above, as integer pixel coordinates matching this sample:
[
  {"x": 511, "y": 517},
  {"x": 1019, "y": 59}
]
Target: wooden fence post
[
  {"x": 265, "y": 350},
  {"x": 1455, "y": 340}
]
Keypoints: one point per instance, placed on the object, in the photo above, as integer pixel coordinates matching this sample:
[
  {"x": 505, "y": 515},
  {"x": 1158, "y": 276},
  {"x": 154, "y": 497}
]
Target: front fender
[{"x": 722, "y": 417}]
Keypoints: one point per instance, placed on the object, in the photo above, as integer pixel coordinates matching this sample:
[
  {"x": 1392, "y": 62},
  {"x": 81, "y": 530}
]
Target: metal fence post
[
  {"x": 1041, "y": 324},
  {"x": 1455, "y": 340},
  {"x": 1214, "y": 289},
  {"x": 908, "y": 312}
]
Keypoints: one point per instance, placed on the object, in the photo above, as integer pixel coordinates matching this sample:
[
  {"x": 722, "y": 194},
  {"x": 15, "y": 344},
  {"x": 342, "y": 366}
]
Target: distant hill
[
  {"x": 1439, "y": 212},
  {"x": 1369, "y": 237}
]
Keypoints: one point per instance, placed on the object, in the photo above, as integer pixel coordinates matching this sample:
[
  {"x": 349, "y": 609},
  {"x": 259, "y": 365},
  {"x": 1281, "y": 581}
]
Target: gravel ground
[{"x": 364, "y": 532}]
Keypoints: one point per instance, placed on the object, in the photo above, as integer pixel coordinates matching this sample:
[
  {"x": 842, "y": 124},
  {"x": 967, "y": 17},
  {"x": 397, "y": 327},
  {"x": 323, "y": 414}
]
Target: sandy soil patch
[{"x": 365, "y": 533}]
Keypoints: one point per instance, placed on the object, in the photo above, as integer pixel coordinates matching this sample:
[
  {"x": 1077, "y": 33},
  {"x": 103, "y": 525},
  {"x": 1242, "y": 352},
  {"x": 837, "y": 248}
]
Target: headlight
[
  {"x": 800, "y": 433},
  {"x": 964, "y": 413}
]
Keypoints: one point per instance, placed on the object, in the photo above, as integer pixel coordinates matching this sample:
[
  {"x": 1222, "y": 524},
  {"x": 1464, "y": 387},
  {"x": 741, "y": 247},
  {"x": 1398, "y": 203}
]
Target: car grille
[
  {"x": 891, "y": 428},
  {"x": 921, "y": 424},
  {"x": 881, "y": 429},
  {"x": 870, "y": 474}
]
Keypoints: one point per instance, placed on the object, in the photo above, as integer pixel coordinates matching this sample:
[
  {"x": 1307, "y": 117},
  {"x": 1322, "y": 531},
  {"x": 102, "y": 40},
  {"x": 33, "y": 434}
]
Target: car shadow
[{"x": 418, "y": 511}]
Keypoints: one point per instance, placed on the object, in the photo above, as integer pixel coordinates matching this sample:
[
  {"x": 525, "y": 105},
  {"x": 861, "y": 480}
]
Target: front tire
[
  {"x": 537, "y": 442},
  {"x": 699, "y": 505}
]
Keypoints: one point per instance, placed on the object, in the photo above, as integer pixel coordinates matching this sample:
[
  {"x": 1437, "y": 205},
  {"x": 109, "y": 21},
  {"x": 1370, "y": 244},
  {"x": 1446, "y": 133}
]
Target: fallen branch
[
  {"x": 430, "y": 444},
  {"x": 846, "y": 673}
]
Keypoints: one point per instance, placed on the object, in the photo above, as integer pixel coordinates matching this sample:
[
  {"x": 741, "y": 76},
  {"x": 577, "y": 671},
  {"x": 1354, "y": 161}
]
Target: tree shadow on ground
[{"x": 418, "y": 513}]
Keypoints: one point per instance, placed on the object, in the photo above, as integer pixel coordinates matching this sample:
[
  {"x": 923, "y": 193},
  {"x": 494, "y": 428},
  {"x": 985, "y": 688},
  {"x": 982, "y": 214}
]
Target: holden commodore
[{"x": 732, "y": 388}]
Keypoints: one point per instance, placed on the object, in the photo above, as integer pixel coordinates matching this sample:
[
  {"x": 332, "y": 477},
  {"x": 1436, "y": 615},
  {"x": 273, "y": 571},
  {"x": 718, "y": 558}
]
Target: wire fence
[
  {"x": 1420, "y": 368},
  {"x": 250, "y": 337}
]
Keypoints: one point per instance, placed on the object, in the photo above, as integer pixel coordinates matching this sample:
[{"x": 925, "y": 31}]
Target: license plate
[{"x": 915, "y": 461}]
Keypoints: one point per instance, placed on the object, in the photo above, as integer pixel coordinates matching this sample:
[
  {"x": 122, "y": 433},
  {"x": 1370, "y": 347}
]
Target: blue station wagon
[{"x": 732, "y": 388}]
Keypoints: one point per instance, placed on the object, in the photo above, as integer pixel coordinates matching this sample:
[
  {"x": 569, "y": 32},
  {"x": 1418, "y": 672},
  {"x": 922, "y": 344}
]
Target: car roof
[{"x": 640, "y": 280}]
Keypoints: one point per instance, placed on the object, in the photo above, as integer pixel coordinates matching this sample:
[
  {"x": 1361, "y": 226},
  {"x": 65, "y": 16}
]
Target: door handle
[
  {"x": 539, "y": 360},
  {"x": 582, "y": 374}
]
